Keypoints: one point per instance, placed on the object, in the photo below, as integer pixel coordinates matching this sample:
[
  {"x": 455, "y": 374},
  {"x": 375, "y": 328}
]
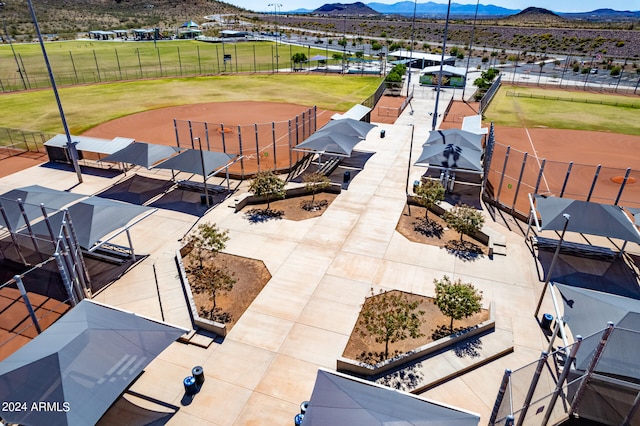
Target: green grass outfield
[
  {"x": 574, "y": 110},
  {"x": 81, "y": 62},
  {"x": 88, "y": 106}
]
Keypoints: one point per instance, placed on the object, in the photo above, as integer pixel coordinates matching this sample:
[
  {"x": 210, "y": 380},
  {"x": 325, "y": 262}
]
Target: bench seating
[
  {"x": 574, "y": 249},
  {"x": 329, "y": 166},
  {"x": 199, "y": 186}
]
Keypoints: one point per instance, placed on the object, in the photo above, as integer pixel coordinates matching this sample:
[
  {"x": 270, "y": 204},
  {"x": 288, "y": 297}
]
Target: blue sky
[{"x": 555, "y": 5}]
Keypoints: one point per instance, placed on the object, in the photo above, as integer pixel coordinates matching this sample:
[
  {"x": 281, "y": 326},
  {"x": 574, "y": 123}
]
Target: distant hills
[{"x": 431, "y": 9}]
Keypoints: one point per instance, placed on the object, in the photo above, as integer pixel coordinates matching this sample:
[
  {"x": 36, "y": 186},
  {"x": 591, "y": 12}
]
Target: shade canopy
[
  {"x": 32, "y": 196},
  {"x": 318, "y": 58},
  {"x": 338, "y": 400},
  {"x": 587, "y": 313},
  {"x": 586, "y": 217},
  {"x": 142, "y": 154},
  {"x": 636, "y": 215},
  {"x": 95, "y": 218},
  {"x": 189, "y": 24},
  {"x": 190, "y": 161},
  {"x": 329, "y": 142},
  {"x": 86, "y": 360},
  {"x": 450, "y": 156},
  {"x": 455, "y": 137},
  {"x": 89, "y": 144},
  {"x": 348, "y": 127}
]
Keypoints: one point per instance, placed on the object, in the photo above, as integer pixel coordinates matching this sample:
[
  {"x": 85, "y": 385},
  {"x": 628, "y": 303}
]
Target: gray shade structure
[
  {"x": 338, "y": 399},
  {"x": 587, "y": 313},
  {"x": 348, "y": 127},
  {"x": 328, "y": 142},
  {"x": 586, "y": 217},
  {"x": 636, "y": 215},
  {"x": 96, "y": 218},
  {"x": 142, "y": 154},
  {"x": 32, "y": 196},
  {"x": 455, "y": 137},
  {"x": 191, "y": 160},
  {"x": 449, "y": 156},
  {"x": 83, "y": 362}
]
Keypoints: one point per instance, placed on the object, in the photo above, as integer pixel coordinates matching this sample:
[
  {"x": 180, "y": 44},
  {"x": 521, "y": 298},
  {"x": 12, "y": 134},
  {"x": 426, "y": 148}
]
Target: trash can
[
  {"x": 303, "y": 407},
  {"x": 347, "y": 176},
  {"x": 382, "y": 134},
  {"x": 190, "y": 386},
  {"x": 297, "y": 420},
  {"x": 546, "y": 321},
  {"x": 198, "y": 373}
]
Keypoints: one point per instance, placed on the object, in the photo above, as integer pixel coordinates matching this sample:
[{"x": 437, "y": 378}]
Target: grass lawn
[
  {"x": 88, "y": 106},
  {"x": 570, "y": 112}
]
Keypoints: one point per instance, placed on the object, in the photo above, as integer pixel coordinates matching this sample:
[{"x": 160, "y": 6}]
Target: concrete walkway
[{"x": 322, "y": 269}]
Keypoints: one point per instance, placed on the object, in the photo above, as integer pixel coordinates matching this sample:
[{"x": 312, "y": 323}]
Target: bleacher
[
  {"x": 329, "y": 166},
  {"x": 574, "y": 249}
]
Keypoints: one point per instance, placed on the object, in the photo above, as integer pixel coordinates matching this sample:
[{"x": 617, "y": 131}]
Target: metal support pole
[
  {"x": 566, "y": 179},
  {"x": 273, "y": 136},
  {"x": 563, "y": 377},
  {"x": 515, "y": 197},
  {"x": 13, "y": 236},
  {"x": 175, "y": 129},
  {"x": 624, "y": 183},
  {"x": 47, "y": 221},
  {"x": 240, "y": 152},
  {"x": 206, "y": 135},
  {"x": 77, "y": 263},
  {"x": 36, "y": 246},
  {"x": 204, "y": 175},
  {"x": 70, "y": 146},
  {"x": 503, "y": 389},
  {"x": 290, "y": 150},
  {"x": 76, "y": 243},
  {"x": 595, "y": 179},
  {"x": 6, "y": 34},
  {"x": 632, "y": 412},
  {"x": 444, "y": 46},
  {"x": 473, "y": 31},
  {"x": 544, "y": 162},
  {"x": 504, "y": 171},
  {"x": 567, "y": 217},
  {"x": 133, "y": 255},
  {"x": 27, "y": 302},
  {"x": 532, "y": 388},
  {"x": 553, "y": 337},
  {"x": 406, "y": 187},
  {"x": 224, "y": 143},
  {"x": 592, "y": 365},
  {"x": 255, "y": 129},
  {"x": 65, "y": 279}
]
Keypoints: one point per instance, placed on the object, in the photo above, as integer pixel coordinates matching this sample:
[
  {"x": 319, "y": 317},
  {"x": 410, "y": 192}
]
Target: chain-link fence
[{"x": 15, "y": 142}]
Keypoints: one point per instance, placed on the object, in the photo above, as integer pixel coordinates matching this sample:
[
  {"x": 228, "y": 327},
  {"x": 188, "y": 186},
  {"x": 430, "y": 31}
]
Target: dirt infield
[
  {"x": 10, "y": 165},
  {"x": 157, "y": 126},
  {"x": 387, "y": 109},
  {"x": 613, "y": 152},
  {"x": 458, "y": 111}
]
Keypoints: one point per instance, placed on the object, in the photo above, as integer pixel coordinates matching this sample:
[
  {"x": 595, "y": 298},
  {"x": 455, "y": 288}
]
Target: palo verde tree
[
  {"x": 267, "y": 184},
  {"x": 314, "y": 182},
  {"x": 428, "y": 194},
  {"x": 457, "y": 300},
  {"x": 464, "y": 219},
  {"x": 206, "y": 242},
  {"x": 390, "y": 316}
]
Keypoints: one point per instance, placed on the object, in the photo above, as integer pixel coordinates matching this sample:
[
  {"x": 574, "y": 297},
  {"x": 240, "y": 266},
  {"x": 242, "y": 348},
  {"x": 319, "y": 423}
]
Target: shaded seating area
[
  {"x": 90, "y": 150},
  {"x": 86, "y": 360},
  {"x": 338, "y": 399}
]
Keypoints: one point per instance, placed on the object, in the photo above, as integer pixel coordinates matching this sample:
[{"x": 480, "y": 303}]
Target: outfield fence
[
  {"x": 140, "y": 60},
  {"x": 265, "y": 146},
  {"x": 15, "y": 142},
  {"x": 578, "y": 100},
  {"x": 511, "y": 174}
]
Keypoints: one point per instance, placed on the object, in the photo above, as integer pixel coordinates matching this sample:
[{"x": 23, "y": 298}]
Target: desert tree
[
  {"x": 457, "y": 300},
  {"x": 464, "y": 219},
  {"x": 390, "y": 316},
  {"x": 207, "y": 241},
  {"x": 428, "y": 194},
  {"x": 298, "y": 58},
  {"x": 214, "y": 280},
  {"x": 267, "y": 184},
  {"x": 314, "y": 182}
]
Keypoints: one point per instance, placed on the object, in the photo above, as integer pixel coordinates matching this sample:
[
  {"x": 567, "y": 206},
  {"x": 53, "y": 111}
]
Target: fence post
[
  {"x": 193, "y": 146},
  {"x": 118, "y": 61},
  {"x": 179, "y": 59},
  {"x": 624, "y": 183},
  {"x": 544, "y": 162},
  {"x": 563, "y": 376},
  {"x": 273, "y": 134},
  {"x": 532, "y": 388},
  {"x": 95, "y": 58},
  {"x": 206, "y": 134},
  {"x": 255, "y": 127},
  {"x": 515, "y": 197},
  {"x": 199, "y": 63},
  {"x": 159, "y": 61},
  {"x": 595, "y": 179},
  {"x": 504, "y": 170},
  {"x": 175, "y": 128},
  {"x": 224, "y": 144},
  {"x": 503, "y": 389},
  {"x": 566, "y": 179},
  {"x": 240, "y": 149},
  {"x": 290, "y": 150}
]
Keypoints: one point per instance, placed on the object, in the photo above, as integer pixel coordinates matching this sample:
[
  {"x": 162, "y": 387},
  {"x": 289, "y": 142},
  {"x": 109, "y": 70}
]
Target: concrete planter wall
[
  {"x": 206, "y": 324},
  {"x": 248, "y": 199},
  {"x": 363, "y": 369}
]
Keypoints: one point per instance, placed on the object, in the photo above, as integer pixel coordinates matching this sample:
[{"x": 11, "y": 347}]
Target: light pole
[
  {"x": 275, "y": 18},
  {"x": 71, "y": 148},
  {"x": 473, "y": 30},
  {"x": 413, "y": 29},
  {"x": 444, "y": 47},
  {"x": 6, "y": 35}
]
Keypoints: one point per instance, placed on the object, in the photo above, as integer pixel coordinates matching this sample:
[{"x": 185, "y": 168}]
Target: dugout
[{"x": 90, "y": 149}]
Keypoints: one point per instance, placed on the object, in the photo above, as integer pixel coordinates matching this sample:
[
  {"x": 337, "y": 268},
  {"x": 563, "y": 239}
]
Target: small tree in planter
[
  {"x": 428, "y": 194},
  {"x": 314, "y": 182},
  {"x": 269, "y": 185},
  {"x": 207, "y": 241},
  {"x": 390, "y": 317},
  {"x": 214, "y": 281},
  {"x": 464, "y": 219},
  {"x": 457, "y": 300}
]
